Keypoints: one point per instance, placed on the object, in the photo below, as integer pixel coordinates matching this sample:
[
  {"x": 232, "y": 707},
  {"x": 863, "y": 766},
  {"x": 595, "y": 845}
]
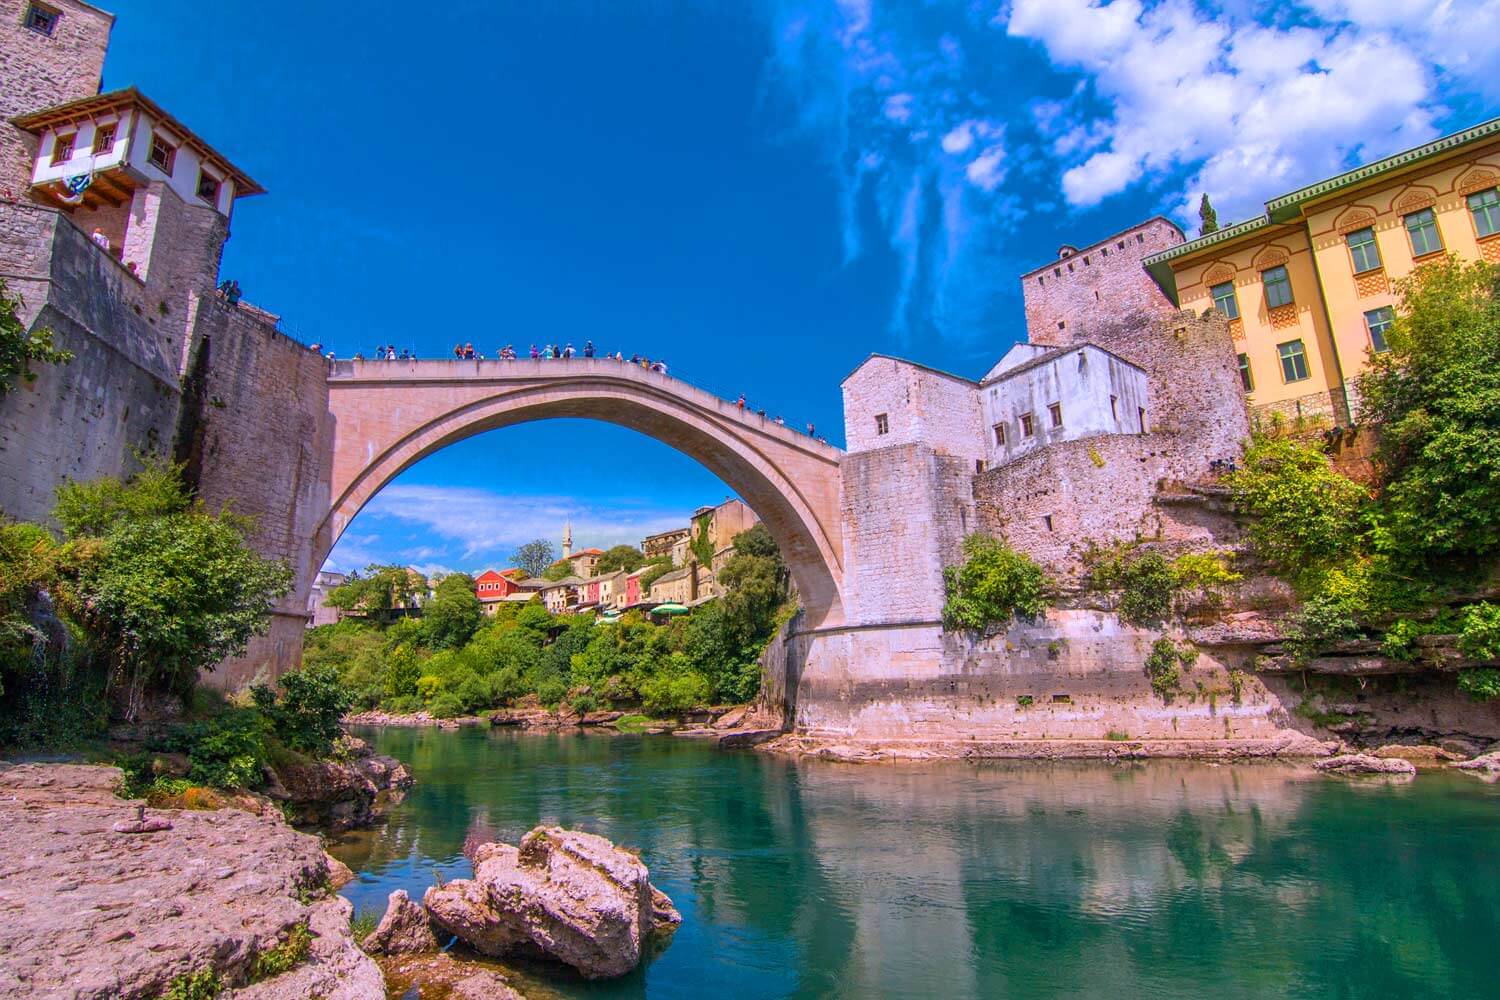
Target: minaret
[{"x": 567, "y": 538}]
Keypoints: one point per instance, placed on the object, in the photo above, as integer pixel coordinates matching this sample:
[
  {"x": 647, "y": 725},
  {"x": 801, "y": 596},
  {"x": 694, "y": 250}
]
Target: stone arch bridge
[{"x": 389, "y": 414}]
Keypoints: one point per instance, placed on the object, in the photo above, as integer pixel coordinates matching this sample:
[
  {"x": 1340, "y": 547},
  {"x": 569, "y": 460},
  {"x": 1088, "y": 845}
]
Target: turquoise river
[{"x": 812, "y": 879}]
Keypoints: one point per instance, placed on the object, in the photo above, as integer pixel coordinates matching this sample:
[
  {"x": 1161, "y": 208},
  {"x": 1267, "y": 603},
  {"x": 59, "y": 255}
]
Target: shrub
[
  {"x": 1306, "y": 515},
  {"x": 305, "y": 715},
  {"x": 20, "y": 346},
  {"x": 994, "y": 584},
  {"x": 446, "y": 706},
  {"x": 1165, "y": 665},
  {"x": 402, "y": 673},
  {"x": 1205, "y": 571},
  {"x": 1147, "y": 589},
  {"x": 283, "y": 957},
  {"x": 201, "y": 985},
  {"x": 551, "y": 691},
  {"x": 228, "y": 751},
  {"x": 1479, "y": 637},
  {"x": 1482, "y": 684}
]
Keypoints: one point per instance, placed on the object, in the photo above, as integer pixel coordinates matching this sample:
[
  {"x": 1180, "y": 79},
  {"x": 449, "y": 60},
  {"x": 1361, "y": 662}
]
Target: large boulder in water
[
  {"x": 1361, "y": 763},
  {"x": 405, "y": 929},
  {"x": 570, "y": 896}
]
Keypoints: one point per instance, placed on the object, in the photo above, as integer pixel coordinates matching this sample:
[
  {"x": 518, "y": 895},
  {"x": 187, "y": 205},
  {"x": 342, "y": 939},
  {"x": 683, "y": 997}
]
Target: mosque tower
[{"x": 567, "y": 538}]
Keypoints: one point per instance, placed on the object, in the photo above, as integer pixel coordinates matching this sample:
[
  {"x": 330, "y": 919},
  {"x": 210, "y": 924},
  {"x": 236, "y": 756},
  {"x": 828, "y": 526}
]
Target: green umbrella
[{"x": 669, "y": 609}]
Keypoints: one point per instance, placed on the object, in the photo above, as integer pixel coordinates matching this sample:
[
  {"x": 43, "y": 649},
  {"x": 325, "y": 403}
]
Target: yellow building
[{"x": 1309, "y": 287}]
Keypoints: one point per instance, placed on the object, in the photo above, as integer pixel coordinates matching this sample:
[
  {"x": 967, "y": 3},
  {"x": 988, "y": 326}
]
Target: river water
[{"x": 812, "y": 879}]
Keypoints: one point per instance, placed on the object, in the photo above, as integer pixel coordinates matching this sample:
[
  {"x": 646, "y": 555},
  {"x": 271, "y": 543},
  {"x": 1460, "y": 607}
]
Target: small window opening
[
  {"x": 208, "y": 187},
  {"x": 1041, "y": 279},
  {"x": 1140, "y": 412},
  {"x": 1070, "y": 267},
  {"x": 1062, "y": 324},
  {"x": 1062, "y": 699},
  {"x": 1047, "y": 520},
  {"x": 1096, "y": 295},
  {"x": 1120, "y": 245},
  {"x": 1057, "y": 272},
  {"x": 1104, "y": 251},
  {"x": 1000, "y": 435},
  {"x": 1028, "y": 425},
  {"x": 104, "y": 138},
  {"x": 1114, "y": 408},
  {"x": 41, "y": 19},
  {"x": 1139, "y": 238},
  {"x": 1055, "y": 412},
  {"x": 163, "y": 153},
  {"x": 1085, "y": 262},
  {"x": 882, "y": 424},
  {"x": 62, "y": 148},
  {"x": 978, "y": 465}
]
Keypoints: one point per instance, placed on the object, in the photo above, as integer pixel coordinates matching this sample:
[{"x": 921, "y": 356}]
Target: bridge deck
[{"x": 533, "y": 370}]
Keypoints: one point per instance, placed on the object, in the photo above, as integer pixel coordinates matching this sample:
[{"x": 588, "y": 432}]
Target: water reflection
[{"x": 1020, "y": 880}]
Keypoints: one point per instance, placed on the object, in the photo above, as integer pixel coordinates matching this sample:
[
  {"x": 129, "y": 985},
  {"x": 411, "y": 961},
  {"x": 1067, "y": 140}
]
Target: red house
[{"x": 493, "y": 588}]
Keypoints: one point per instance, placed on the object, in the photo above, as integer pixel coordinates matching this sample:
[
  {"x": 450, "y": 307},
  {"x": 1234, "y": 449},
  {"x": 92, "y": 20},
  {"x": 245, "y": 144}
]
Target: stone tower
[{"x": 567, "y": 538}]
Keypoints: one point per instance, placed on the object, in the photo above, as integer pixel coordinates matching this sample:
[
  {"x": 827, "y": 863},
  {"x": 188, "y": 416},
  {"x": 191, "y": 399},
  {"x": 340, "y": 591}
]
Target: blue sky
[{"x": 761, "y": 193}]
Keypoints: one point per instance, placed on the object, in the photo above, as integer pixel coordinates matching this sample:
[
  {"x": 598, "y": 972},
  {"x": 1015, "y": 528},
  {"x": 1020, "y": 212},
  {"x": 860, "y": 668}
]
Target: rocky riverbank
[
  {"x": 730, "y": 725},
  {"x": 1329, "y": 756},
  {"x": 228, "y": 898},
  {"x": 352, "y": 789}
]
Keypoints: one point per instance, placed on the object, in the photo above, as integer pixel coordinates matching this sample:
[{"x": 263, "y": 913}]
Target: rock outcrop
[
  {"x": 1486, "y": 766},
  {"x": 1363, "y": 763},
  {"x": 569, "y": 896},
  {"x": 404, "y": 930},
  {"x": 91, "y": 913},
  {"x": 339, "y": 794},
  {"x": 1420, "y": 754}
]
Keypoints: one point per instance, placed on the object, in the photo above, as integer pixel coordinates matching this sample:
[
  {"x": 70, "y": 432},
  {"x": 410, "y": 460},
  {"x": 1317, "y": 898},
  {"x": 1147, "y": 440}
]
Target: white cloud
[
  {"x": 1245, "y": 110},
  {"x": 447, "y": 528},
  {"x": 920, "y": 156}
]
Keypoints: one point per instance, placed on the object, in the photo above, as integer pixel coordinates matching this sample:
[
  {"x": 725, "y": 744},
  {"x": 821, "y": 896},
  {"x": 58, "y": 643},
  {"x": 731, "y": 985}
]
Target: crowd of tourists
[{"x": 550, "y": 352}]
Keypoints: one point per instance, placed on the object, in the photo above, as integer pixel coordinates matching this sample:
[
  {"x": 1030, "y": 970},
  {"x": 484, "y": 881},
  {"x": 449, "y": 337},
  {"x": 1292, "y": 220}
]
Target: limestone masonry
[{"x": 1104, "y": 426}]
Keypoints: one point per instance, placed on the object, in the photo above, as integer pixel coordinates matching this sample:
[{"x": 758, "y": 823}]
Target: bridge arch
[{"x": 390, "y": 414}]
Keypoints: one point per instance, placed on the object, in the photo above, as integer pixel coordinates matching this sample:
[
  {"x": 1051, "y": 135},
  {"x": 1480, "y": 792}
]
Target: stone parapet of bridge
[{"x": 390, "y": 414}]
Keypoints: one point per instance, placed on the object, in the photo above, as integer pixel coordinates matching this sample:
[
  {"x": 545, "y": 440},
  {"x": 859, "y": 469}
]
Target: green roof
[
  {"x": 1158, "y": 265},
  {"x": 1284, "y": 208},
  {"x": 1288, "y": 206}
]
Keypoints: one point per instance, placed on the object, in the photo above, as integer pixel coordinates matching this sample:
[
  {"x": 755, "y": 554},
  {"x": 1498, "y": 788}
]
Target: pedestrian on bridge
[
  {"x": 588, "y": 348},
  {"x": 741, "y": 402}
]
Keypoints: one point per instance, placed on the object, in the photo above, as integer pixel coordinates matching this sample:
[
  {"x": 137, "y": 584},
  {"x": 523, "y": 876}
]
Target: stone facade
[
  {"x": 118, "y": 398},
  {"x": 1067, "y": 299},
  {"x": 40, "y": 70},
  {"x": 257, "y": 437}
]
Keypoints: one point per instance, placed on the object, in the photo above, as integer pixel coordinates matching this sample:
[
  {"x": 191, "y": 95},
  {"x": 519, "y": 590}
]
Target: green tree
[
  {"x": 1208, "y": 219},
  {"x": 656, "y": 568},
  {"x": 402, "y": 672},
  {"x": 304, "y": 708},
  {"x": 1307, "y": 517},
  {"x": 535, "y": 556},
  {"x": 557, "y": 570},
  {"x": 453, "y": 615},
  {"x": 377, "y": 592},
  {"x": 1436, "y": 396},
  {"x": 620, "y": 557},
  {"x": 994, "y": 584},
  {"x": 19, "y": 346},
  {"x": 164, "y": 588}
]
